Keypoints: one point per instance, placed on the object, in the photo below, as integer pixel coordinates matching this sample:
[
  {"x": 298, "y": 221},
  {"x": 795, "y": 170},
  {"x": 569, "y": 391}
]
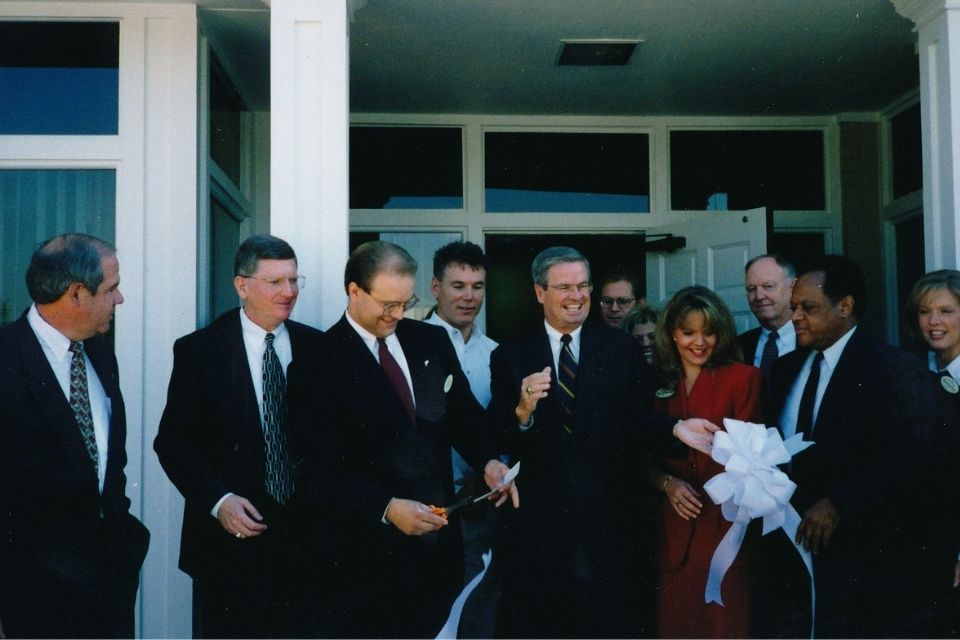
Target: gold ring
[
  {"x": 529, "y": 390},
  {"x": 239, "y": 535}
]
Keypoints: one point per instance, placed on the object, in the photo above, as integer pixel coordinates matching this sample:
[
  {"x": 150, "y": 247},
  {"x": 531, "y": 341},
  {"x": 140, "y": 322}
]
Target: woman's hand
[{"x": 682, "y": 497}]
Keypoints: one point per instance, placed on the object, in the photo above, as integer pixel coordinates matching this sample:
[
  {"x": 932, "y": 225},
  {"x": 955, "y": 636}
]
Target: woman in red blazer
[{"x": 701, "y": 375}]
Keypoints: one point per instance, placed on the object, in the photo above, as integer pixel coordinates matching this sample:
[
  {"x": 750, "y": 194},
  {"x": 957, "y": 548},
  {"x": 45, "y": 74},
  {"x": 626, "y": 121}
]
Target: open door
[{"x": 718, "y": 246}]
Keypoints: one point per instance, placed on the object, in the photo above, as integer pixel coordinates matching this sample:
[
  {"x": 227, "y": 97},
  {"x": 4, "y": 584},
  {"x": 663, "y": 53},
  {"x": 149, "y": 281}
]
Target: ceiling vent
[{"x": 596, "y": 52}]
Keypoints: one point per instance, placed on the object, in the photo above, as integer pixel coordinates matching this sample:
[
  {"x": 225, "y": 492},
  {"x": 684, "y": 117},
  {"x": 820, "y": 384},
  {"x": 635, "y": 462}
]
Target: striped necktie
[{"x": 567, "y": 377}]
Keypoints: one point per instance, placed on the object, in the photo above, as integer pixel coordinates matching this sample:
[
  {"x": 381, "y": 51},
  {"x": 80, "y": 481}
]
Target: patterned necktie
[
  {"x": 567, "y": 377},
  {"x": 279, "y": 475},
  {"x": 807, "y": 400},
  {"x": 395, "y": 375},
  {"x": 80, "y": 402},
  {"x": 768, "y": 357}
]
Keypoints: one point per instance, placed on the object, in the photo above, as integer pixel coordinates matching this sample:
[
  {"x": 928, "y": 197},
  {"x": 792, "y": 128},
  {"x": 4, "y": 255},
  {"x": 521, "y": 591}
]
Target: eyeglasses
[
  {"x": 390, "y": 307},
  {"x": 583, "y": 287},
  {"x": 607, "y": 301},
  {"x": 295, "y": 282}
]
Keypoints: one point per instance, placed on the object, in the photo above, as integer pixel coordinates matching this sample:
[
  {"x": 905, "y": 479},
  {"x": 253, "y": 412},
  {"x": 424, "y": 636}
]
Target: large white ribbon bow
[{"x": 752, "y": 486}]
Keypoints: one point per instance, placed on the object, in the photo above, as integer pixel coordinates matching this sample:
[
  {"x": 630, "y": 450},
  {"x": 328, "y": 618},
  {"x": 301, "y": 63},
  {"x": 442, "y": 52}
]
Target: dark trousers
[
  {"x": 264, "y": 597},
  {"x": 45, "y": 606}
]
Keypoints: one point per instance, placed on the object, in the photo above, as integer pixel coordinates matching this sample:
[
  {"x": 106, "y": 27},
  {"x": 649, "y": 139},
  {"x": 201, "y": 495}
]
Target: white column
[
  {"x": 309, "y": 126},
  {"x": 938, "y": 26},
  {"x": 157, "y": 241}
]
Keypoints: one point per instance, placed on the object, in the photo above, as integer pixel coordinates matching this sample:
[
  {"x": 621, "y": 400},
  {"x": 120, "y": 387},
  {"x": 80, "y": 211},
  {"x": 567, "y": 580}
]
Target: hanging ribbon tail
[
  {"x": 452, "y": 626},
  {"x": 790, "y": 527},
  {"x": 723, "y": 557}
]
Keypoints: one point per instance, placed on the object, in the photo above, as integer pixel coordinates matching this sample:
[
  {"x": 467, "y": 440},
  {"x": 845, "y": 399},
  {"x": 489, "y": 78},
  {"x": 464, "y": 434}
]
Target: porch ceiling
[{"x": 698, "y": 57}]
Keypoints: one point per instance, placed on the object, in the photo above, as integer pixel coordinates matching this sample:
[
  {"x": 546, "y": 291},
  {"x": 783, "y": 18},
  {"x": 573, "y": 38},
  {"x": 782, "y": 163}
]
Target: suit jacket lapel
[
  {"x": 236, "y": 375},
  {"x": 53, "y": 403},
  {"x": 844, "y": 376},
  {"x": 367, "y": 374}
]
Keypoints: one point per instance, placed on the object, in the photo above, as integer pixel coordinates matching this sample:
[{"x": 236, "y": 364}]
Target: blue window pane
[{"x": 59, "y": 78}]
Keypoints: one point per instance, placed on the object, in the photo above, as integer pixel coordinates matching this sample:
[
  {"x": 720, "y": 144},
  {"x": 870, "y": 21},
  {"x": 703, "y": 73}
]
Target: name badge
[{"x": 949, "y": 384}]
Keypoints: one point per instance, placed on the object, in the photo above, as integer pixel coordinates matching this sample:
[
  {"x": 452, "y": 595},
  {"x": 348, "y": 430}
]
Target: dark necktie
[
  {"x": 80, "y": 402},
  {"x": 809, "y": 397},
  {"x": 567, "y": 377},
  {"x": 769, "y": 356},
  {"x": 279, "y": 474},
  {"x": 395, "y": 375}
]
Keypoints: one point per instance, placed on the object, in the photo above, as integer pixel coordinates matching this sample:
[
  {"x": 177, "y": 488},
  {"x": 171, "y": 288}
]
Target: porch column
[
  {"x": 938, "y": 26},
  {"x": 309, "y": 126}
]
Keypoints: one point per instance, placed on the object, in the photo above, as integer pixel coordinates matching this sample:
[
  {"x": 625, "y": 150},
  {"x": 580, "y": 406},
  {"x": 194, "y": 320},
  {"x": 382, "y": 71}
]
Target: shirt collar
[
  {"x": 953, "y": 368},
  {"x": 832, "y": 353},
  {"x": 56, "y": 342},
  {"x": 255, "y": 332},
  {"x": 368, "y": 338},
  {"x": 786, "y": 332},
  {"x": 556, "y": 335},
  {"x": 475, "y": 333}
]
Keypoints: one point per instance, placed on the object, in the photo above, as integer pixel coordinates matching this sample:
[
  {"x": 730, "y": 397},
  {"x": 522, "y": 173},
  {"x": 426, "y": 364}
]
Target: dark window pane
[
  {"x": 567, "y": 172},
  {"x": 59, "y": 78},
  {"x": 907, "y": 157},
  {"x": 406, "y": 168},
  {"x": 746, "y": 169},
  {"x": 226, "y": 109}
]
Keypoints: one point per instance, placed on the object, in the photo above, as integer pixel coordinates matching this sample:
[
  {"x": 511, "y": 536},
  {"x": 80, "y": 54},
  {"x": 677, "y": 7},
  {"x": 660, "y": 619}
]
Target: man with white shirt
[
  {"x": 866, "y": 492},
  {"x": 70, "y": 552},
  {"x": 222, "y": 441},
  {"x": 459, "y": 284},
  {"x": 373, "y": 423},
  {"x": 769, "y": 281}
]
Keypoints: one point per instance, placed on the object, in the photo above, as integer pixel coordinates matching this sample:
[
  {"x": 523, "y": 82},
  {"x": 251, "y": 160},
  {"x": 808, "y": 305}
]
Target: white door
[{"x": 718, "y": 246}]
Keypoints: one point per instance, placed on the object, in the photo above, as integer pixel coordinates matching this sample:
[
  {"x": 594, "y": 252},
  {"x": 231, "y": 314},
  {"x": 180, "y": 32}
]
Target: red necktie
[{"x": 397, "y": 379}]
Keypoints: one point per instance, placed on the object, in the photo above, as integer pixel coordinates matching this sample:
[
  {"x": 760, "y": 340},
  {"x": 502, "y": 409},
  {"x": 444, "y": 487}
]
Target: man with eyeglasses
[
  {"x": 618, "y": 296},
  {"x": 572, "y": 399},
  {"x": 222, "y": 441},
  {"x": 373, "y": 424}
]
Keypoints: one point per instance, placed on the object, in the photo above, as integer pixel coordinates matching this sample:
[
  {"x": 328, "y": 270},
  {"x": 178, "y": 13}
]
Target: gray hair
[
  {"x": 552, "y": 256},
  {"x": 782, "y": 262},
  {"x": 64, "y": 260},
  {"x": 257, "y": 248}
]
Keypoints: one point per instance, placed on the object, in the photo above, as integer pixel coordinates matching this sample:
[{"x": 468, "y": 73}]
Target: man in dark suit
[
  {"x": 222, "y": 442},
  {"x": 865, "y": 489},
  {"x": 70, "y": 552},
  {"x": 373, "y": 423},
  {"x": 574, "y": 550},
  {"x": 769, "y": 281}
]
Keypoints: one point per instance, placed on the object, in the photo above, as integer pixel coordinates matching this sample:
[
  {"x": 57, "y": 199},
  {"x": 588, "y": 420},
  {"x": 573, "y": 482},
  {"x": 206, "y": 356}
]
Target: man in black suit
[
  {"x": 865, "y": 489},
  {"x": 70, "y": 552},
  {"x": 222, "y": 442},
  {"x": 574, "y": 550},
  {"x": 769, "y": 281},
  {"x": 373, "y": 423}
]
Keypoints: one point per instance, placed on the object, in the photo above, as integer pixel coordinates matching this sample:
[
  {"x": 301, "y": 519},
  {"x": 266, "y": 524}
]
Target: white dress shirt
[
  {"x": 831, "y": 355},
  {"x": 393, "y": 346},
  {"x": 255, "y": 343},
  {"x": 474, "y": 356},
  {"x": 953, "y": 368},
  {"x": 555, "y": 344},
  {"x": 786, "y": 342},
  {"x": 56, "y": 347}
]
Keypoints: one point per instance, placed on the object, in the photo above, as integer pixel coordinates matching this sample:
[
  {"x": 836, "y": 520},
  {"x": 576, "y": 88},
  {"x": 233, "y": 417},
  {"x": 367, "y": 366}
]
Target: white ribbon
[
  {"x": 752, "y": 486},
  {"x": 449, "y": 630}
]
